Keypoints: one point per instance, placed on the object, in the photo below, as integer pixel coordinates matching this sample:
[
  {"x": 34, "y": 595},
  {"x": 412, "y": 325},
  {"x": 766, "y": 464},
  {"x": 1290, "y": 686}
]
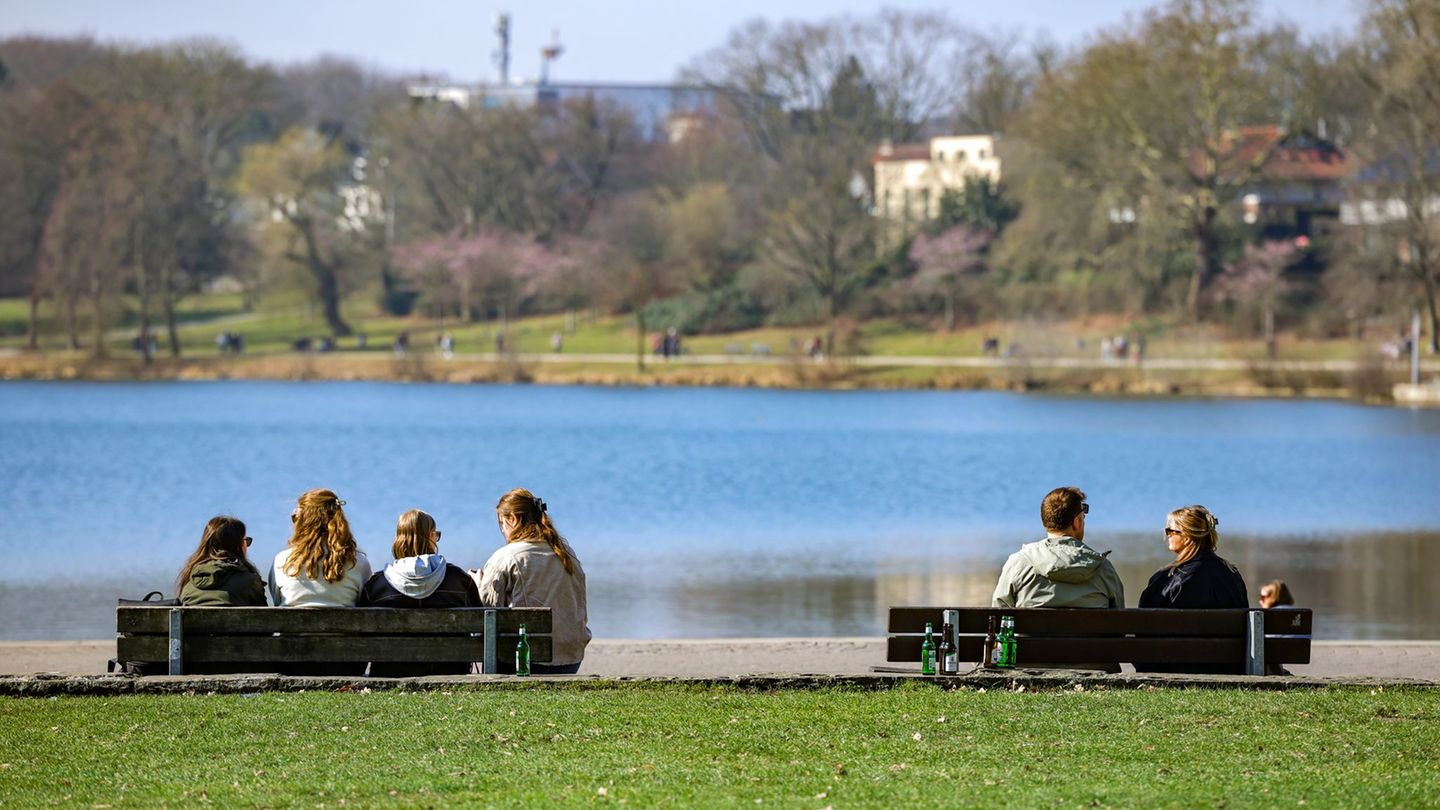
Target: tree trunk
[
  {"x": 326, "y": 281},
  {"x": 640, "y": 338},
  {"x": 1206, "y": 260},
  {"x": 949, "y": 312},
  {"x": 32, "y": 323},
  {"x": 1427, "y": 276},
  {"x": 167, "y": 306},
  {"x": 72, "y": 326}
]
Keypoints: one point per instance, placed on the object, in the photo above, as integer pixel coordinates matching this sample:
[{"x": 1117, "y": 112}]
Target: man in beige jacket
[{"x": 1060, "y": 571}]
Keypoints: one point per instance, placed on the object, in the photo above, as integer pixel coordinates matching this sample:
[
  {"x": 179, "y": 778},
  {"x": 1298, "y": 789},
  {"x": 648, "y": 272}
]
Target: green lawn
[
  {"x": 679, "y": 746},
  {"x": 281, "y": 317}
]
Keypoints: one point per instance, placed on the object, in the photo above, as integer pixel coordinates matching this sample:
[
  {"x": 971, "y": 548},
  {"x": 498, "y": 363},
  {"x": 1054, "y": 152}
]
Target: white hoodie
[{"x": 416, "y": 577}]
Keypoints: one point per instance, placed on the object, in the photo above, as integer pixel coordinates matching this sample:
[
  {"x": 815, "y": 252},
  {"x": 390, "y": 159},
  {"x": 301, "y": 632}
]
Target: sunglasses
[
  {"x": 248, "y": 541},
  {"x": 1084, "y": 508},
  {"x": 1169, "y": 531}
]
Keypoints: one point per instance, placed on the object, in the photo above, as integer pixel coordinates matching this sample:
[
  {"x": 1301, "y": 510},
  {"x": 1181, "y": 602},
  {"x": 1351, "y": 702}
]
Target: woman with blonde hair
[
  {"x": 1198, "y": 577},
  {"x": 537, "y": 568},
  {"x": 320, "y": 566},
  {"x": 219, "y": 574}
]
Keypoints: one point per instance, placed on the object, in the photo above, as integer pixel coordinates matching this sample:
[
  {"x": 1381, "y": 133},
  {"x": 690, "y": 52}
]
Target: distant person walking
[
  {"x": 219, "y": 573},
  {"x": 537, "y": 568},
  {"x": 1060, "y": 570}
]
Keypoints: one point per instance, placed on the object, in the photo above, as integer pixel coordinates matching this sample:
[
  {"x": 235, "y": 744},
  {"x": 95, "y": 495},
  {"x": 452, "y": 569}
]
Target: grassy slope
[
  {"x": 678, "y": 746},
  {"x": 281, "y": 318}
]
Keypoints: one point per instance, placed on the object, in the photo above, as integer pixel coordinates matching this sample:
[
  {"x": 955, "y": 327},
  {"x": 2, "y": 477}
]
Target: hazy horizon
[{"x": 638, "y": 41}]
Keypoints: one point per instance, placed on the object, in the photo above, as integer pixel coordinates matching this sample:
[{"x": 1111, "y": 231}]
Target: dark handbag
[
  {"x": 161, "y": 601},
  {"x": 142, "y": 667}
]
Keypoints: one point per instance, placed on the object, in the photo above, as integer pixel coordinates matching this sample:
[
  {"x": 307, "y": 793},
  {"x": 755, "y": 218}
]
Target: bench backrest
[
  {"x": 1252, "y": 638},
  {"x": 248, "y": 639}
]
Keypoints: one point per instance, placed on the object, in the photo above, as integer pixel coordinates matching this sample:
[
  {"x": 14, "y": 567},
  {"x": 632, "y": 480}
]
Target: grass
[{"x": 691, "y": 746}]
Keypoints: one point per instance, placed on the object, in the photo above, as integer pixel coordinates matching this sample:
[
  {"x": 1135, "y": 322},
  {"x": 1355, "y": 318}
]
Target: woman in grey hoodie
[
  {"x": 219, "y": 574},
  {"x": 419, "y": 578}
]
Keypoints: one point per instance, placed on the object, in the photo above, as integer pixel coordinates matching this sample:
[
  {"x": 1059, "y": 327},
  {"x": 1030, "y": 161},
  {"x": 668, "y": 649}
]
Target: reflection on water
[
  {"x": 715, "y": 512},
  {"x": 1360, "y": 586}
]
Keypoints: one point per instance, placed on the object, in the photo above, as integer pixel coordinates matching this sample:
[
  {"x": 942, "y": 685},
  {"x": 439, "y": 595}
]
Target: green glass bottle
[
  {"x": 522, "y": 653},
  {"x": 927, "y": 651},
  {"x": 1009, "y": 648}
]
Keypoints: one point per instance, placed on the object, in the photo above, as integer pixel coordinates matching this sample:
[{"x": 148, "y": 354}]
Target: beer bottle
[
  {"x": 988, "y": 660},
  {"x": 949, "y": 663},
  {"x": 1007, "y": 641},
  {"x": 522, "y": 653},
  {"x": 927, "y": 651}
]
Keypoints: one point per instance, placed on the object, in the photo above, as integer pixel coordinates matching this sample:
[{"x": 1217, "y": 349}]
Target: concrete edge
[{"x": 54, "y": 685}]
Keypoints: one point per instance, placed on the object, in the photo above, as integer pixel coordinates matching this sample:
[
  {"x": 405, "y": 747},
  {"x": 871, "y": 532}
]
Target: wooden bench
[
  {"x": 254, "y": 639},
  {"x": 1247, "y": 640}
]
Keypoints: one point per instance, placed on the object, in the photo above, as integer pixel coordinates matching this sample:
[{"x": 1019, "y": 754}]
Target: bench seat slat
[
  {"x": 1132, "y": 621},
  {"x": 353, "y": 621},
  {"x": 201, "y": 649},
  {"x": 1060, "y": 650}
]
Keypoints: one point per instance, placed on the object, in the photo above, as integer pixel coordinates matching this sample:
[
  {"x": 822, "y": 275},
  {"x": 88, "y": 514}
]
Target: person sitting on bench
[
  {"x": 1197, "y": 578},
  {"x": 219, "y": 574},
  {"x": 418, "y": 578},
  {"x": 1060, "y": 570}
]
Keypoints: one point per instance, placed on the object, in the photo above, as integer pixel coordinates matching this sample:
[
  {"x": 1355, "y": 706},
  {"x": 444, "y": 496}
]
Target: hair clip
[
  {"x": 540, "y": 504},
  {"x": 339, "y": 502}
]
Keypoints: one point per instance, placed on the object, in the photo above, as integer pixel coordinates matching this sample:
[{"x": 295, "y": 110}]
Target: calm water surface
[{"x": 711, "y": 512}]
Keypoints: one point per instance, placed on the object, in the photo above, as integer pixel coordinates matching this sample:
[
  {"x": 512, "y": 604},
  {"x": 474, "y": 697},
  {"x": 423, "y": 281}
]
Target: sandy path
[{"x": 742, "y": 656}]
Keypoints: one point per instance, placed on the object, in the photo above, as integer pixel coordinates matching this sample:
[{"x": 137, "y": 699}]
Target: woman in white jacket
[
  {"x": 537, "y": 568},
  {"x": 320, "y": 566}
]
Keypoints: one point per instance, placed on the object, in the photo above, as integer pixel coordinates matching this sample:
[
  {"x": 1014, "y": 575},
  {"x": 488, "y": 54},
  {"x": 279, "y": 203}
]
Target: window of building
[
  {"x": 980, "y": 154},
  {"x": 924, "y": 203},
  {"x": 960, "y": 155},
  {"x": 905, "y": 204}
]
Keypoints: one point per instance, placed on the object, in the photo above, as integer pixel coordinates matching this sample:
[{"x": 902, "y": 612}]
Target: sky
[{"x": 604, "y": 40}]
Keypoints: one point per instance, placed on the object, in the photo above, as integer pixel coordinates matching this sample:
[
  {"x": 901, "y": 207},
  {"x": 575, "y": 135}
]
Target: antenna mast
[
  {"x": 549, "y": 54},
  {"x": 502, "y": 54}
]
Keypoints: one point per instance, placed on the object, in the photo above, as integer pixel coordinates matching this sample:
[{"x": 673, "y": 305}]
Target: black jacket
[
  {"x": 1207, "y": 581},
  {"x": 456, "y": 589}
]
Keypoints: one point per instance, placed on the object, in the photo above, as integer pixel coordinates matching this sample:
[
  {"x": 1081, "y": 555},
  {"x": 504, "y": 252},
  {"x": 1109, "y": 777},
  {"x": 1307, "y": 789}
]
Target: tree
[
  {"x": 632, "y": 248},
  {"x": 296, "y": 182},
  {"x": 1403, "y": 43},
  {"x": 1149, "y": 120},
  {"x": 947, "y": 262}
]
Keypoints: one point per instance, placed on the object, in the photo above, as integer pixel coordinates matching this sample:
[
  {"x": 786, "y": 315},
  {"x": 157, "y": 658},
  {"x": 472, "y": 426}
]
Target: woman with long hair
[
  {"x": 537, "y": 568},
  {"x": 320, "y": 566},
  {"x": 1198, "y": 577},
  {"x": 219, "y": 574},
  {"x": 418, "y": 578}
]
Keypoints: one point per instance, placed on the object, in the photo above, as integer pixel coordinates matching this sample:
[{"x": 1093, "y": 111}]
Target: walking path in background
[
  {"x": 728, "y": 657},
  {"x": 929, "y": 361}
]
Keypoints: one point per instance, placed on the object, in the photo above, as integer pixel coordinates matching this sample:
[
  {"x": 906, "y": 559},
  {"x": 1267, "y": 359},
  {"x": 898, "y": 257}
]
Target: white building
[{"x": 910, "y": 179}]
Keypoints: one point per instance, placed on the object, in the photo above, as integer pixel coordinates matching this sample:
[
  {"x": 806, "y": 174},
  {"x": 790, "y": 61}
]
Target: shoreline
[
  {"x": 1160, "y": 377},
  {"x": 735, "y": 657}
]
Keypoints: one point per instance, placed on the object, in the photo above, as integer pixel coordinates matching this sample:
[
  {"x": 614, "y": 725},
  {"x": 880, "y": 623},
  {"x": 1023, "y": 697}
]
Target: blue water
[{"x": 711, "y": 511}]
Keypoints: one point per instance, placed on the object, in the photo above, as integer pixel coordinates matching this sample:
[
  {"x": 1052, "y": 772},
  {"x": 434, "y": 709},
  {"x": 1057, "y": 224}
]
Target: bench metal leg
[
  {"x": 1255, "y": 643},
  {"x": 177, "y": 638},
  {"x": 492, "y": 662}
]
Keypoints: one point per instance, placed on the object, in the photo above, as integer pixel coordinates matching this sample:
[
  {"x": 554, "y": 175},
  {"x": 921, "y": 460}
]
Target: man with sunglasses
[{"x": 1060, "y": 570}]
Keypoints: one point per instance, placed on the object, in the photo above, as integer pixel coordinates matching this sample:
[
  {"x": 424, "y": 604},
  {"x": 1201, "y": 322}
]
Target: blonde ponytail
[{"x": 534, "y": 523}]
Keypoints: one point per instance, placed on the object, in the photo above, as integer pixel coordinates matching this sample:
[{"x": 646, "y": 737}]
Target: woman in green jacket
[{"x": 219, "y": 574}]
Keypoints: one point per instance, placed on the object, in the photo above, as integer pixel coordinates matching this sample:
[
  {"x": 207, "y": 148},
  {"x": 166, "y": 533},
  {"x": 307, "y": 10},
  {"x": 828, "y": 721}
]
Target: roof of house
[
  {"x": 901, "y": 151},
  {"x": 1284, "y": 155}
]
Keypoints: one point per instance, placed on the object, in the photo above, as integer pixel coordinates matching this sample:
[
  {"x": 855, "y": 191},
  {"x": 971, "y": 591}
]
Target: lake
[{"x": 717, "y": 512}]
